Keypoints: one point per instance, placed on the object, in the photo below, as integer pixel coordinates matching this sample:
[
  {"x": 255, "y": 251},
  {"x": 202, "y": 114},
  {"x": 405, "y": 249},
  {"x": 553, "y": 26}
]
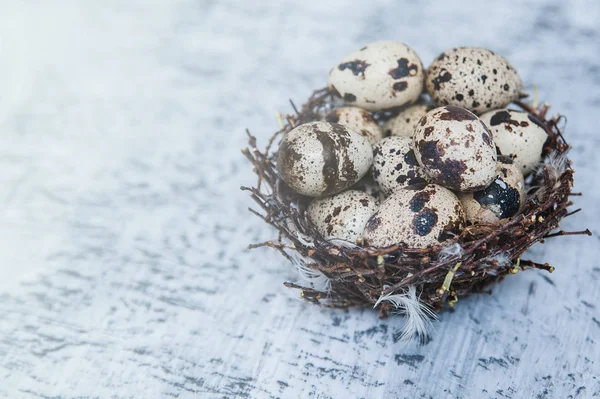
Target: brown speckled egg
[
  {"x": 343, "y": 215},
  {"x": 472, "y": 78},
  {"x": 379, "y": 76},
  {"x": 499, "y": 201},
  {"x": 418, "y": 216},
  {"x": 455, "y": 149},
  {"x": 357, "y": 119},
  {"x": 322, "y": 158},
  {"x": 395, "y": 165},
  {"x": 404, "y": 123},
  {"x": 519, "y": 135}
]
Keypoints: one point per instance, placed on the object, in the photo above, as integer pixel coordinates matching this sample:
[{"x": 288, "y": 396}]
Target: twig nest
[
  {"x": 417, "y": 216},
  {"x": 395, "y": 164},
  {"x": 379, "y": 76},
  {"x": 321, "y": 158},
  {"x": 519, "y": 135},
  {"x": 473, "y": 78},
  {"x": 416, "y": 254},
  {"x": 498, "y": 202},
  {"x": 343, "y": 215},
  {"x": 357, "y": 119},
  {"x": 455, "y": 149},
  {"x": 404, "y": 123}
]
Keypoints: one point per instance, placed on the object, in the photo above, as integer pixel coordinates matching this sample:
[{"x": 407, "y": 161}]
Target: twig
[{"x": 569, "y": 233}]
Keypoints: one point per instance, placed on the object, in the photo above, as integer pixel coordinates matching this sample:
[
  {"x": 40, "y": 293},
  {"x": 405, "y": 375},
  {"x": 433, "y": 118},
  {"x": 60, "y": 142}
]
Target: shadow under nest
[{"x": 468, "y": 263}]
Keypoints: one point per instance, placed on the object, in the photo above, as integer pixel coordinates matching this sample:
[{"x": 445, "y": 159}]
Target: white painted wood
[{"x": 123, "y": 268}]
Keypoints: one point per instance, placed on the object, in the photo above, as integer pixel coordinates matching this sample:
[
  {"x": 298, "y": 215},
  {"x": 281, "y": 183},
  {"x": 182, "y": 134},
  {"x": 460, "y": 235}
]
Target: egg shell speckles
[
  {"x": 321, "y": 158},
  {"x": 498, "y": 202},
  {"x": 404, "y": 123},
  {"x": 472, "y": 78},
  {"x": 343, "y": 215},
  {"x": 519, "y": 135},
  {"x": 357, "y": 119},
  {"x": 381, "y": 75},
  {"x": 395, "y": 164},
  {"x": 418, "y": 216},
  {"x": 455, "y": 149}
]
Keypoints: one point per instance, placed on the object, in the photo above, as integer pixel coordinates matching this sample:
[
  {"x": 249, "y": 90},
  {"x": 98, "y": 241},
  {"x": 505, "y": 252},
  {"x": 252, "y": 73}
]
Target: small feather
[
  {"x": 450, "y": 252},
  {"x": 501, "y": 257},
  {"x": 418, "y": 315},
  {"x": 305, "y": 240},
  {"x": 343, "y": 243},
  {"x": 556, "y": 164},
  {"x": 314, "y": 278}
]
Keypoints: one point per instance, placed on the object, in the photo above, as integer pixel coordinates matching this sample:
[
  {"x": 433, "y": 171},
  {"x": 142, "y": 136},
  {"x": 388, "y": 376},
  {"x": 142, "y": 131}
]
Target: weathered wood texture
[{"x": 123, "y": 268}]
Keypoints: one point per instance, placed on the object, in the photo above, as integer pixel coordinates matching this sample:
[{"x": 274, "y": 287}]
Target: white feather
[
  {"x": 501, "y": 257},
  {"x": 315, "y": 279},
  {"x": 307, "y": 241},
  {"x": 492, "y": 272},
  {"x": 343, "y": 243},
  {"x": 418, "y": 316},
  {"x": 556, "y": 163},
  {"x": 450, "y": 252}
]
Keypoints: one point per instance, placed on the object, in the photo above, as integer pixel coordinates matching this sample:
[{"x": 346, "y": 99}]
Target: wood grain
[{"x": 124, "y": 271}]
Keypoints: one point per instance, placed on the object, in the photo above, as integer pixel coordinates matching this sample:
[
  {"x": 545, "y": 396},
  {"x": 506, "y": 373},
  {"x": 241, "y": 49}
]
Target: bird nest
[{"x": 340, "y": 274}]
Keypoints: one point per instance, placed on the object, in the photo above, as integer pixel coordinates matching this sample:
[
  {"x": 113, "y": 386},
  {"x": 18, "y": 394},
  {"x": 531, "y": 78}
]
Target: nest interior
[{"x": 468, "y": 263}]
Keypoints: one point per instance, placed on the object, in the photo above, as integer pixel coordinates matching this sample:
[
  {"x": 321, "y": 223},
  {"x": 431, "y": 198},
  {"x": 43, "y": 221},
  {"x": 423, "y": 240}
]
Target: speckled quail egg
[
  {"x": 343, "y": 215},
  {"x": 395, "y": 165},
  {"x": 357, "y": 119},
  {"x": 518, "y": 135},
  {"x": 499, "y": 201},
  {"x": 455, "y": 149},
  {"x": 379, "y": 76},
  {"x": 322, "y": 158},
  {"x": 472, "y": 78},
  {"x": 418, "y": 216},
  {"x": 404, "y": 123}
]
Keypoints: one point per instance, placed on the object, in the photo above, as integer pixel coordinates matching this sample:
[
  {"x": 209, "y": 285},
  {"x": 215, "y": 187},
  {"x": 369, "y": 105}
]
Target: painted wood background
[{"x": 123, "y": 268}]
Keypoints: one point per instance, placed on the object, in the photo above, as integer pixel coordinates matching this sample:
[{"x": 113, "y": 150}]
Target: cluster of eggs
[{"x": 453, "y": 153}]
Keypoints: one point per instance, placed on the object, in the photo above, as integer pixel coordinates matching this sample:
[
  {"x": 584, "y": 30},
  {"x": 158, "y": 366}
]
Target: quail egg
[
  {"x": 404, "y": 123},
  {"x": 343, "y": 215},
  {"x": 322, "y": 158},
  {"x": 418, "y": 216},
  {"x": 455, "y": 149},
  {"x": 519, "y": 135},
  {"x": 395, "y": 165},
  {"x": 357, "y": 119},
  {"x": 499, "y": 201},
  {"x": 472, "y": 78},
  {"x": 379, "y": 76}
]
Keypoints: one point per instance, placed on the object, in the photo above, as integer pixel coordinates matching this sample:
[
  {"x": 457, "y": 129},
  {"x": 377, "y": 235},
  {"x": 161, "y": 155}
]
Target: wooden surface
[{"x": 123, "y": 268}]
